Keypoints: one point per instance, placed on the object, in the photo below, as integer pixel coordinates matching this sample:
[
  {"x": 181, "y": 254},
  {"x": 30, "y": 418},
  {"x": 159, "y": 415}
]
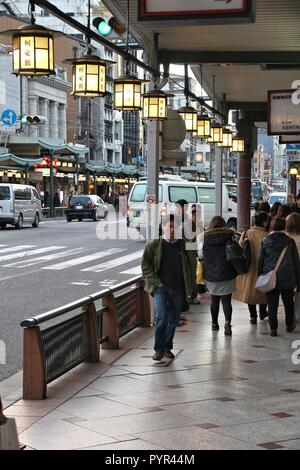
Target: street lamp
[
  {"x": 203, "y": 126},
  {"x": 293, "y": 170},
  {"x": 189, "y": 115},
  {"x": 32, "y": 48},
  {"x": 238, "y": 145},
  {"x": 216, "y": 133},
  {"x": 155, "y": 105},
  {"x": 227, "y": 139}
]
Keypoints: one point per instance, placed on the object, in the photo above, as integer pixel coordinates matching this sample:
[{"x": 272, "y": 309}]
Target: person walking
[
  {"x": 246, "y": 291},
  {"x": 293, "y": 230},
  {"x": 170, "y": 274},
  {"x": 219, "y": 274},
  {"x": 296, "y": 207},
  {"x": 288, "y": 274}
]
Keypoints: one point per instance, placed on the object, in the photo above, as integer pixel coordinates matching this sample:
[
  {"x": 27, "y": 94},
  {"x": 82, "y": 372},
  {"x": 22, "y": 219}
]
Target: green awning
[
  {"x": 127, "y": 170},
  {"x": 22, "y": 161},
  {"x": 75, "y": 149}
]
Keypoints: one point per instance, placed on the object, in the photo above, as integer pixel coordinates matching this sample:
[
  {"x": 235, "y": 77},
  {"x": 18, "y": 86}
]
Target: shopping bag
[{"x": 200, "y": 272}]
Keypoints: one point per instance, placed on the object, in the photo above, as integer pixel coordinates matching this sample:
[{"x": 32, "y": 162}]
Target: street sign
[
  {"x": 156, "y": 10},
  {"x": 8, "y": 117},
  {"x": 150, "y": 199},
  {"x": 179, "y": 162},
  {"x": 283, "y": 116}
]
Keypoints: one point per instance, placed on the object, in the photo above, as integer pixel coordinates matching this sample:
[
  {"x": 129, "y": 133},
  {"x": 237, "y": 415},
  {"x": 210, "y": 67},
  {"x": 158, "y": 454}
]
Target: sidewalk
[{"x": 239, "y": 392}]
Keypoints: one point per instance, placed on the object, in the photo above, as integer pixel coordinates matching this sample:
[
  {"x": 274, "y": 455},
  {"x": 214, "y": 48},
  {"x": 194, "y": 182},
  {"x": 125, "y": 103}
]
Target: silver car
[{"x": 19, "y": 204}]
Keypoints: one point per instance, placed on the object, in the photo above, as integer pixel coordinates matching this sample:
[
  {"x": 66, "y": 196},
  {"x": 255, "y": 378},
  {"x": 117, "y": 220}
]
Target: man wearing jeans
[{"x": 169, "y": 270}]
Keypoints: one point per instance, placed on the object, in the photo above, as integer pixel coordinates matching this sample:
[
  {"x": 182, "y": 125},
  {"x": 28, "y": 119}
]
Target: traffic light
[
  {"x": 33, "y": 119},
  {"x": 106, "y": 27}
]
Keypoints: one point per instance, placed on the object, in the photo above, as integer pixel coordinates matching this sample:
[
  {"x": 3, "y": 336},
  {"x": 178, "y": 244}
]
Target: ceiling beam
[
  {"x": 247, "y": 105},
  {"x": 229, "y": 57}
]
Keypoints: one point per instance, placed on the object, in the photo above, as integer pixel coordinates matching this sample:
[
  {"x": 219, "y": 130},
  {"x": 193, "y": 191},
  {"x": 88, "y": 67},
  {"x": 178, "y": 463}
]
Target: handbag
[
  {"x": 235, "y": 256},
  {"x": 200, "y": 272},
  {"x": 267, "y": 282}
]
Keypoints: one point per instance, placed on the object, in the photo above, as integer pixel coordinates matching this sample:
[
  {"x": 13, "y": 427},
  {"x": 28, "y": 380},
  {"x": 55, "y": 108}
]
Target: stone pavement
[{"x": 220, "y": 392}]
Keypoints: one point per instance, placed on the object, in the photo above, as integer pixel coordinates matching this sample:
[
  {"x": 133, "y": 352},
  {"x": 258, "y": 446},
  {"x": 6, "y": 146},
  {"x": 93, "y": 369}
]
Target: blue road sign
[
  {"x": 8, "y": 117},
  {"x": 292, "y": 147}
]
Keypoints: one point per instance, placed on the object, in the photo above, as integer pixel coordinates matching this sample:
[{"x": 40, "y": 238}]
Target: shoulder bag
[{"x": 267, "y": 282}]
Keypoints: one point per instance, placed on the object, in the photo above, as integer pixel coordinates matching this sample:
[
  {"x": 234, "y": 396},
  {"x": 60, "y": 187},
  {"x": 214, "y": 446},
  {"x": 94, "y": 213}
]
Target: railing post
[
  {"x": 95, "y": 344},
  {"x": 34, "y": 368},
  {"x": 110, "y": 323},
  {"x": 147, "y": 308}
]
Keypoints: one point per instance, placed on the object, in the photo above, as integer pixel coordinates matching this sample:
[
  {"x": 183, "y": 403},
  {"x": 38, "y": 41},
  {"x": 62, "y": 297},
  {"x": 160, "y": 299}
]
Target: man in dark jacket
[
  {"x": 170, "y": 273},
  {"x": 288, "y": 274},
  {"x": 296, "y": 207}
]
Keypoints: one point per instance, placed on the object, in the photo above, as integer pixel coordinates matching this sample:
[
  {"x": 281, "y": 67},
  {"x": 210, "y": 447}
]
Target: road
[{"x": 57, "y": 263}]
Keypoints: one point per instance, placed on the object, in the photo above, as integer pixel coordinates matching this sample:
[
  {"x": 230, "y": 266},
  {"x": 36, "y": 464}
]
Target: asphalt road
[{"x": 57, "y": 263}]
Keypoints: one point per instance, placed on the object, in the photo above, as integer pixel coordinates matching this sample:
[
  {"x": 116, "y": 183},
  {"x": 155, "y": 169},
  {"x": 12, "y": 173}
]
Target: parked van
[
  {"x": 19, "y": 204},
  {"x": 277, "y": 197},
  {"x": 171, "y": 189}
]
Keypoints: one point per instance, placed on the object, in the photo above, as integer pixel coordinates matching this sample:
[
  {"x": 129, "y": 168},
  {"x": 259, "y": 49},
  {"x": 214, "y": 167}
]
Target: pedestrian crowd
[{"x": 257, "y": 267}]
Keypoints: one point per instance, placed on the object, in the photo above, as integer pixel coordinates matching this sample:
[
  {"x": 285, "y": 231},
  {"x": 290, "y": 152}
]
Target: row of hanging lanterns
[{"x": 33, "y": 54}]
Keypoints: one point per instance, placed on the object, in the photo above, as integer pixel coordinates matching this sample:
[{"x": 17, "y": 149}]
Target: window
[
  {"x": 181, "y": 192},
  {"x": 139, "y": 193},
  {"x": 4, "y": 193},
  {"x": 207, "y": 195},
  {"x": 80, "y": 200},
  {"x": 35, "y": 194},
  {"x": 22, "y": 194}
]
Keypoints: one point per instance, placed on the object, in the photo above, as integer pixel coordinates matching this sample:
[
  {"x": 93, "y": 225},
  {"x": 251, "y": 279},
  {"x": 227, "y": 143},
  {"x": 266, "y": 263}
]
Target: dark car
[{"x": 86, "y": 207}]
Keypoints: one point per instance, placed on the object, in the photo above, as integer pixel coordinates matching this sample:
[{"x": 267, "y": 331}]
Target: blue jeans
[{"x": 168, "y": 305}]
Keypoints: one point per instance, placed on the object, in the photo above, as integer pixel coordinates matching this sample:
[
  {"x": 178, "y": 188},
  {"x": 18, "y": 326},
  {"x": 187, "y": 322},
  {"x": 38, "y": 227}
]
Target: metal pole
[
  {"x": 218, "y": 180},
  {"x": 51, "y": 184},
  {"x": 152, "y": 179},
  {"x": 95, "y": 184}
]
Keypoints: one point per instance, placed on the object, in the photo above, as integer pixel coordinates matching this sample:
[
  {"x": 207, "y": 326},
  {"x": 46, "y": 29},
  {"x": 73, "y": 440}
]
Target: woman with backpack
[
  {"x": 219, "y": 273},
  {"x": 274, "y": 246},
  {"x": 246, "y": 291}
]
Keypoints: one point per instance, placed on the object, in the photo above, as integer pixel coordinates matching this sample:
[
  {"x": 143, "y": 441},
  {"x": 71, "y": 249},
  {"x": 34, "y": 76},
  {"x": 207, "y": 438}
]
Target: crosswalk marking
[
  {"x": 41, "y": 259},
  {"x": 114, "y": 263},
  {"x": 3, "y": 245},
  {"x": 30, "y": 253},
  {"x": 136, "y": 270},
  {"x": 84, "y": 259},
  {"x": 16, "y": 248}
]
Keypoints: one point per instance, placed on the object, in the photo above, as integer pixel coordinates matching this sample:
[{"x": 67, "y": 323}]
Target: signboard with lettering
[
  {"x": 293, "y": 152},
  {"x": 289, "y": 139},
  {"x": 283, "y": 113},
  {"x": 156, "y": 10}
]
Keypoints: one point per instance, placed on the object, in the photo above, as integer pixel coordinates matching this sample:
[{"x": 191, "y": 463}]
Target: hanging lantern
[
  {"x": 293, "y": 171},
  {"x": 189, "y": 115},
  {"x": 227, "y": 138},
  {"x": 89, "y": 75},
  {"x": 155, "y": 105},
  {"x": 216, "y": 133},
  {"x": 238, "y": 145},
  {"x": 32, "y": 50},
  {"x": 127, "y": 93},
  {"x": 203, "y": 126}
]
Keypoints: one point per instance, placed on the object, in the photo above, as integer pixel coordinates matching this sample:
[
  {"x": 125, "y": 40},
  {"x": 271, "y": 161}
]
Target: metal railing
[
  {"x": 58, "y": 212},
  {"x": 74, "y": 332}
]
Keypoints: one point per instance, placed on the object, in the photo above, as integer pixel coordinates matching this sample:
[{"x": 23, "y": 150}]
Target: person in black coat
[
  {"x": 219, "y": 274},
  {"x": 288, "y": 274}
]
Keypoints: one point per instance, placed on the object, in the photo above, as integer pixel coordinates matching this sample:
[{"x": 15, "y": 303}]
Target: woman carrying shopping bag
[
  {"x": 273, "y": 247},
  {"x": 245, "y": 283}
]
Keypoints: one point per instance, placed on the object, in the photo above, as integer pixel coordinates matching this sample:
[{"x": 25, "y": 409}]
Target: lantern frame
[
  {"x": 203, "y": 126},
  {"x": 238, "y": 145},
  {"x": 93, "y": 69},
  {"x": 192, "y": 120},
  {"x": 216, "y": 133},
  {"x": 157, "y": 100},
  {"x": 293, "y": 171},
  {"x": 134, "y": 86},
  {"x": 227, "y": 138},
  {"x": 35, "y": 41}
]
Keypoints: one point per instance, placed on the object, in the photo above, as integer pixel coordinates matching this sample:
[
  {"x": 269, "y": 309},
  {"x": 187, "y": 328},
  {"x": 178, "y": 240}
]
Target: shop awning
[
  {"x": 72, "y": 149},
  {"x": 128, "y": 170},
  {"x": 21, "y": 161}
]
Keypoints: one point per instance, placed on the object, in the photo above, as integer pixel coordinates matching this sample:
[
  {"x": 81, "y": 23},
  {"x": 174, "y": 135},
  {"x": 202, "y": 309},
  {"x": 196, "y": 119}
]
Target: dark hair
[
  {"x": 260, "y": 219},
  {"x": 216, "y": 222},
  {"x": 293, "y": 223},
  {"x": 298, "y": 197},
  {"x": 264, "y": 207},
  {"x": 275, "y": 208},
  {"x": 283, "y": 211},
  {"x": 171, "y": 218},
  {"x": 181, "y": 202},
  {"x": 256, "y": 206},
  {"x": 278, "y": 224}
]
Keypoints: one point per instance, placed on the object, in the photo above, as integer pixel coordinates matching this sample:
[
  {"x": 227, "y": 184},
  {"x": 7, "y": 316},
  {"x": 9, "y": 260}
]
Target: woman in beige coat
[{"x": 246, "y": 291}]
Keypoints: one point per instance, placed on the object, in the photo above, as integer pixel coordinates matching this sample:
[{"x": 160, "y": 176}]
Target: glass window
[
  {"x": 4, "y": 193},
  {"x": 139, "y": 193},
  {"x": 274, "y": 199},
  {"x": 80, "y": 200},
  {"x": 22, "y": 194},
  {"x": 207, "y": 195},
  {"x": 182, "y": 192},
  {"x": 35, "y": 194}
]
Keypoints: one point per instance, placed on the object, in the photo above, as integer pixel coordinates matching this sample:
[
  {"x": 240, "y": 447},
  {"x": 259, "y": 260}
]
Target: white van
[
  {"x": 171, "y": 189},
  {"x": 277, "y": 197},
  {"x": 19, "y": 204}
]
